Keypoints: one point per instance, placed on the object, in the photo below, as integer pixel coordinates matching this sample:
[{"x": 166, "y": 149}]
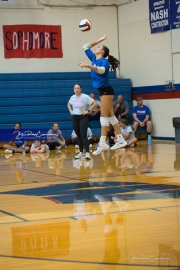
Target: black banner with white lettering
[
  {"x": 159, "y": 15},
  {"x": 175, "y": 14}
]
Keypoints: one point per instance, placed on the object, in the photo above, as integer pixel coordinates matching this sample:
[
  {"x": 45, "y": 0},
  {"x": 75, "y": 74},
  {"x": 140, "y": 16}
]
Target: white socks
[
  {"x": 119, "y": 137},
  {"x": 102, "y": 140}
]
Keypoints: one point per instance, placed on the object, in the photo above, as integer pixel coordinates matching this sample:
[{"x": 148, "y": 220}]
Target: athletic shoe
[
  {"x": 132, "y": 145},
  {"x": 7, "y": 151},
  {"x": 58, "y": 147},
  {"x": 119, "y": 145},
  {"x": 76, "y": 146},
  {"x": 100, "y": 149},
  {"x": 80, "y": 155},
  {"x": 90, "y": 146},
  {"x": 64, "y": 146},
  {"x": 88, "y": 156}
]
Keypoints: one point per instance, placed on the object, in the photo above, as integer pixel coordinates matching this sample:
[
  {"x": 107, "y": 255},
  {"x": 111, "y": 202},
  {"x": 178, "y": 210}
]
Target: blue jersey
[
  {"x": 141, "y": 112},
  {"x": 15, "y": 138},
  {"x": 99, "y": 80}
]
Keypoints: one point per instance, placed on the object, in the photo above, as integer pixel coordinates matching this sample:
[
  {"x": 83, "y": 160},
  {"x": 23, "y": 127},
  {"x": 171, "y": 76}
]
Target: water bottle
[
  {"x": 149, "y": 139},
  {"x": 23, "y": 150}
]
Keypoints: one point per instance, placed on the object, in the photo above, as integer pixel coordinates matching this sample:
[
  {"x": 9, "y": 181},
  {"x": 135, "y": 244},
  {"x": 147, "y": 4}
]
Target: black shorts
[{"x": 106, "y": 91}]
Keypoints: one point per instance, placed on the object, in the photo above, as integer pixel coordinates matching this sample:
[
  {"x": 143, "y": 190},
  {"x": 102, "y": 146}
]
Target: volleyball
[{"x": 85, "y": 25}]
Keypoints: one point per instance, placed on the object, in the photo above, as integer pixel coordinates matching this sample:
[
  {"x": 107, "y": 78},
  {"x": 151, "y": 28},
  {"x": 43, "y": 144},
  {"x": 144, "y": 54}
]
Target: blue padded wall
[{"x": 39, "y": 99}]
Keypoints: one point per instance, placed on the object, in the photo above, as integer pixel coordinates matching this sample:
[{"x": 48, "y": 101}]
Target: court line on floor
[
  {"x": 74, "y": 179},
  {"x": 72, "y": 217},
  {"x": 13, "y": 215},
  {"x": 84, "y": 262}
]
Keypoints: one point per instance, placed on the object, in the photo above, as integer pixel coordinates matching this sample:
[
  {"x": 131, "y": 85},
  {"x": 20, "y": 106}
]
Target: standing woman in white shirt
[{"x": 78, "y": 107}]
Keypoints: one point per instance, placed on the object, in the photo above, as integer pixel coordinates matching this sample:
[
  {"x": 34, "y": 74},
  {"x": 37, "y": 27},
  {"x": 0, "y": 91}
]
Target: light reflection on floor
[{"x": 120, "y": 210}]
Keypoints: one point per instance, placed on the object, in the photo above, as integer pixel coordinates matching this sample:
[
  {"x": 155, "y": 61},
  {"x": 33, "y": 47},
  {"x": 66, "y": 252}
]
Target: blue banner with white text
[
  {"x": 159, "y": 16},
  {"x": 175, "y": 14},
  {"x": 21, "y": 135}
]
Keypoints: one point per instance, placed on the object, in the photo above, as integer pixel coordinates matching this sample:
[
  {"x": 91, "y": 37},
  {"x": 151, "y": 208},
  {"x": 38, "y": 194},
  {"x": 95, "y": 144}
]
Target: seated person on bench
[{"x": 141, "y": 116}]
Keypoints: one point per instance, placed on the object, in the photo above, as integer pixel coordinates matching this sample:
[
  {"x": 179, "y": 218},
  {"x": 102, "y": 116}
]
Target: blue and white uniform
[{"x": 100, "y": 78}]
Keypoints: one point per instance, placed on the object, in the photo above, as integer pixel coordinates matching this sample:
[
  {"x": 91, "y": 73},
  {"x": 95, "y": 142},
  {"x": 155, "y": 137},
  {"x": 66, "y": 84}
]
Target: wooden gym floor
[{"x": 120, "y": 210}]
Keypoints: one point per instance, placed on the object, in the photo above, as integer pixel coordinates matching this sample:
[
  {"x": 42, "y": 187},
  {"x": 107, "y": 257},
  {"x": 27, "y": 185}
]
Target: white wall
[
  {"x": 103, "y": 21},
  {"x": 147, "y": 59}
]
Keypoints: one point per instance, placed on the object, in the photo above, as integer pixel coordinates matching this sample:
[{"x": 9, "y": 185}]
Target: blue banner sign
[
  {"x": 22, "y": 135},
  {"x": 159, "y": 16},
  {"x": 175, "y": 14}
]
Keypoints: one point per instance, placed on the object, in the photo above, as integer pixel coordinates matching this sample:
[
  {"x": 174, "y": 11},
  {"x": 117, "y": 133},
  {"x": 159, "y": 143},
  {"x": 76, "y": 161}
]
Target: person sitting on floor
[
  {"x": 74, "y": 139},
  {"x": 19, "y": 142},
  {"x": 55, "y": 138},
  {"x": 38, "y": 147},
  {"x": 127, "y": 133}
]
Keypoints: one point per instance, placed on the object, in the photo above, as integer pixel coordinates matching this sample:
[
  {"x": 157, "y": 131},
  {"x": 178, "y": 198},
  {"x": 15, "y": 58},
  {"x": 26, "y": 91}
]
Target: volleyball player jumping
[{"x": 99, "y": 72}]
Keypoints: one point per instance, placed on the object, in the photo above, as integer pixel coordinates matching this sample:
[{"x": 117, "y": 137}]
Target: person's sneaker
[
  {"x": 88, "y": 156},
  {"x": 90, "y": 146},
  {"x": 64, "y": 146},
  {"x": 132, "y": 145},
  {"x": 76, "y": 146},
  {"x": 7, "y": 151},
  {"x": 58, "y": 147},
  {"x": 100, "y": 149},
  {"x": 119, "y": 145},
  {"x": 80, "y": 155}
]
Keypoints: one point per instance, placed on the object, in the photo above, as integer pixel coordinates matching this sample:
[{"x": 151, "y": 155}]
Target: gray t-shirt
[
  {"x": 80, "y": 103},
  {"x": 51, "y": 136},
  {"x": 122, "y": 108},
  {"x": 128, "y": 129}
]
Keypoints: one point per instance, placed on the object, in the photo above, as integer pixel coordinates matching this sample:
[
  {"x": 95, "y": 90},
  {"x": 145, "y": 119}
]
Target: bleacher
[{"x": 36, "y": 100}]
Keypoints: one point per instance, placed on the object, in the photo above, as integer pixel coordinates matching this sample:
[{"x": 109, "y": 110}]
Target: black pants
[
  {"x": 52, "y": 145},
  {"x": 94, "y": 117},
  {"x": 80, "y": 126}
]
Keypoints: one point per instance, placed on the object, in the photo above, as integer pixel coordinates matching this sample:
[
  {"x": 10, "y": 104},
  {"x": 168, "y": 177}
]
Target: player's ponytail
[{"x": 112, "y": 60}]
